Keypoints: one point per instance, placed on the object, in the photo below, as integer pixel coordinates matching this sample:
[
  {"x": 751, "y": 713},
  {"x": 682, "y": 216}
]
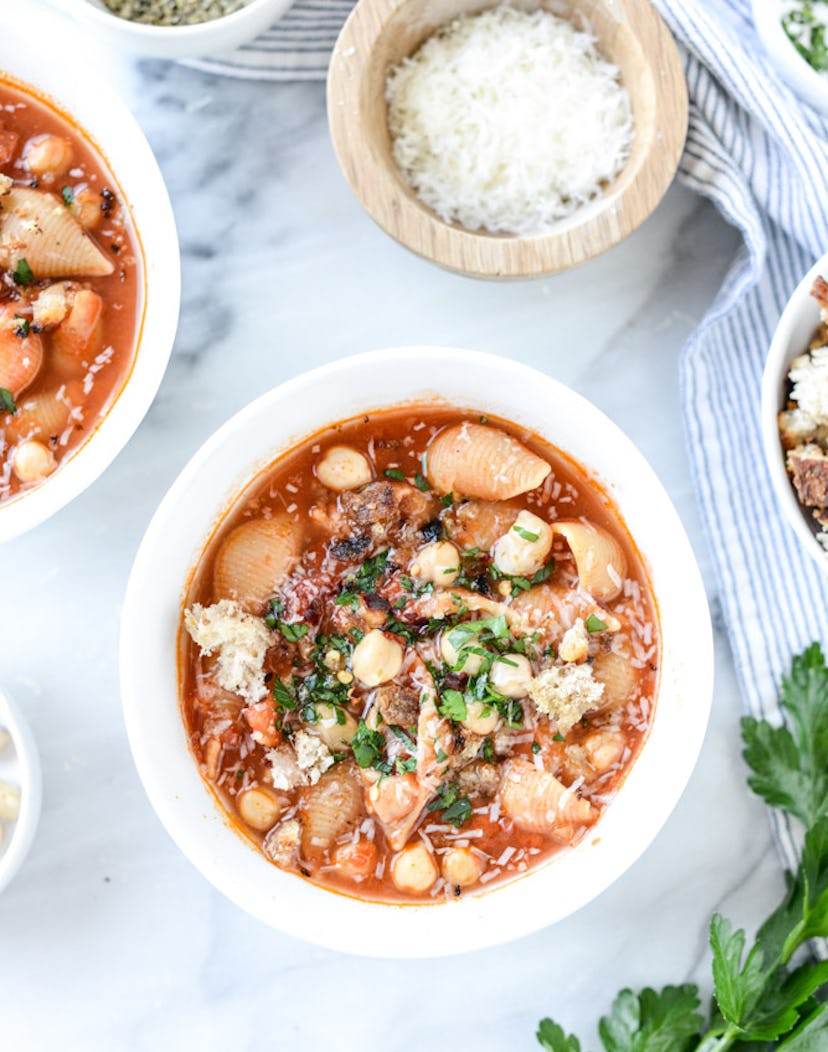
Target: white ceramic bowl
[
  {"x": 799, "y": 74},
  {"x": 793, "y": 334},
  {"x": 218, "y": 36},
  {"x": 19, "y": 765},
  {"x": 93, "y": 106},
  {"x": 181, "y": 526}
]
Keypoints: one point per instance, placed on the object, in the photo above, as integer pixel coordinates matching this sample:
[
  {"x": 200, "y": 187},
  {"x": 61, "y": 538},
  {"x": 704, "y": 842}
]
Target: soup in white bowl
[{"x": 333, "y": 716}]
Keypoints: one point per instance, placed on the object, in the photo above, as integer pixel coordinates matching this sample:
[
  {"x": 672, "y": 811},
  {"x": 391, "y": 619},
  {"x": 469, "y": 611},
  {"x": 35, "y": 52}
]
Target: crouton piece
[
  {"x": 242, "y": 641},
  {"x": 565, "y": 693}
]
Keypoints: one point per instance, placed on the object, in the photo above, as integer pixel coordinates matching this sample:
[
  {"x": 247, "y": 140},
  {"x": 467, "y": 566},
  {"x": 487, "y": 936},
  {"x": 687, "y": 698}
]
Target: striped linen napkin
[{"x": 762, "y": 157}]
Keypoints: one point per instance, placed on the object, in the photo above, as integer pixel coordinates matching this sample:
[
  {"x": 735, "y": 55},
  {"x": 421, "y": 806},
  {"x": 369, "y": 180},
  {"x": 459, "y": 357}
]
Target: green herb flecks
[
  {"x": 21, "y": 326},
  {"x": 22, "y": 273},
  {"x": 7, "y": 402},
  {"x": 595, "y": 624},
  {"x": 456, "y": 809},
  {"x": 394, "y": 473},
  {"x": 68, "y": 195},
  {"x": 368, "y": 746},
  {"x": 527, "y": 535}
]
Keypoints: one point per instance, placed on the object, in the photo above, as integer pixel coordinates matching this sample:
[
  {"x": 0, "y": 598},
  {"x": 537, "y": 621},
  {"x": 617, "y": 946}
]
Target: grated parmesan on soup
[{"x": 508, "y": 120}]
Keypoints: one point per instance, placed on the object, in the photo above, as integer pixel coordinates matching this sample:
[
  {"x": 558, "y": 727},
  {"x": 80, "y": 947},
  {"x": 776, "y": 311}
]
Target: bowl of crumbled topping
[
  {"x": 795, "y": 35},
  {"x": 177, "y": 28},
  {"x": 20, "y": 789},
  {"x": 507, "y": 140},
  {"x": 795, "y": 412}
]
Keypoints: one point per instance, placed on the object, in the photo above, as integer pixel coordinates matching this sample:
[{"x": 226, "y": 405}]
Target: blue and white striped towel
[{"x": 762, "y": 157}]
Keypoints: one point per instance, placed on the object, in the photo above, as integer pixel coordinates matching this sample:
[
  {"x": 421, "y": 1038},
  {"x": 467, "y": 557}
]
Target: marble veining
[{"x": 109, "y": 939}]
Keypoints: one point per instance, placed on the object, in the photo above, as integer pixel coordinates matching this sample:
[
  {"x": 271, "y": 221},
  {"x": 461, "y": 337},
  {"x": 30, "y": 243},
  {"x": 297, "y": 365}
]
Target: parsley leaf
[
  {"x": 293, "y": 632},
  {"x": 456, "y": 809},
  {"x": 22, "y": 273},
  {"x": 551, "y": 1037},
  {"x": 394, "y": 473},
  {"x": 595, "y": 624},
  {"x": 452, "y": 705},
  {"x": 21, "y": 326},
  {"x": 790, "y": 767},
  {"x": 7, "y": 403},
  {"x": 68, "y": 195},
  {"x": 527, "y": 535},
  {"x": 368, "y": 746},
  {"x": 420, "y": 482},
  {"x": 652, "y": 1021}
]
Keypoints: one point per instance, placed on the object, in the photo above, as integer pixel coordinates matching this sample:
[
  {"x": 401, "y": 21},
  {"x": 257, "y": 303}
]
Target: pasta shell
[
  {"x": 472, "y": 460},
  {"x": 45, "y": 414},
  {"x": 538, "y": 803},
  {"x": 329, "y": 809},
  {"x": 614, "y": 670},
  {"x": 38, "y": 227},
  {"x": 20, "y": 356},
  {"x": 601, "y": 563},
  {"x": 254, "y": 560}
]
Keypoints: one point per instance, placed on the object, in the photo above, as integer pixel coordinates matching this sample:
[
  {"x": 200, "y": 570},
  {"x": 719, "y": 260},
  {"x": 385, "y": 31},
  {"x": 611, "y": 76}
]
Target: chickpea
[
  {"x": 462, "y": 867},
  {"x": 480, "y": 718},
  {"x": 334, "y": 734},
  {"x": 377, "y": 659},
  {"x": 472, "y": 663},
  {"x": 33, "y": 461},
  {"x": 259, "y": 808},
  {"x": 47, "y": 156},
  {"x": 438, "y": 562},
  {"x": 511, "y": 676},
  {"x": 414, "y": 869},
  {"x": 523, "y": 550},
  {"x": 343, "y": 468}
]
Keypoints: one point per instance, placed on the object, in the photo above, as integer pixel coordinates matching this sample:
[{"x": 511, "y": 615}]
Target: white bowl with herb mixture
[
  {"x": 176, "y": 28},
  {"x": 808, "y": 22}
]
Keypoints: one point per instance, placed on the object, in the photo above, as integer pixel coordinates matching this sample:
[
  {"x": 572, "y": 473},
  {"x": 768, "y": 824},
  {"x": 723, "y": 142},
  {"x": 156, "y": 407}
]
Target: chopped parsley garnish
[
  {"x": 23, "y": 273},
  {"x": 404, "y": 766},
  {"x": 404, "y": 737},
  {"x": 273, "y": 613},
  {"x": 420, "y": 482},
  {"x": 558, "y": 737},
  {"x": 394, "y": 473},
  {"x": 293, "y": 632},
  {"x": 487, "y": 752},
  {"x": 456, "y": 809},
  {"x": 447, "y": 500},
  {"x": 283, "y": 695},
  {"x": 7, "y": 403},
  {"x": 536, "y": 748},
  {"x": 527, "y": 535},
  {"x": 21, "y": 326},
  {"x": 68, "y": 195},
  {"x": 347, "y": 599},
  {"x": 366, "y": 577},
  {"x": 595, "y": 624},
  {"x": 452, "y": 705},
  {"x": 368, "y": 746}
]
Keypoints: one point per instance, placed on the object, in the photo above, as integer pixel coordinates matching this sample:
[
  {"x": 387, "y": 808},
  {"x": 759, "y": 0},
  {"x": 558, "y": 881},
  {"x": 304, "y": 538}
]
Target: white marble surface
[{"x": 109, "y": 939}]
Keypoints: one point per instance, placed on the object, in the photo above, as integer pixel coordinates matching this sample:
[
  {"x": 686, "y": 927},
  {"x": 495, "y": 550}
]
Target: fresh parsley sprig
[{"x": 762, "y": 1000}]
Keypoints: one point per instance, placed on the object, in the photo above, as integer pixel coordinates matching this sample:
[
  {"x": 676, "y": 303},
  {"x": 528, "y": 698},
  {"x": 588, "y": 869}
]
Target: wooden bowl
[{"x": 380, "y": 33}]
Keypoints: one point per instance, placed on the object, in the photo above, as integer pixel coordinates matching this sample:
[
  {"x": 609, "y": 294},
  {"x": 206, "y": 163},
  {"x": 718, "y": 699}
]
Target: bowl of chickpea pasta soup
[
  {"x": 88, "y": 283},
  {"x": 414, "y": 667}
]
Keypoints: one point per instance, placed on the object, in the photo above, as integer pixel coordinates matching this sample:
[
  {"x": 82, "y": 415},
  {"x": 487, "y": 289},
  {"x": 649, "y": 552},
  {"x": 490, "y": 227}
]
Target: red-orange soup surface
[
  {"x": 419, "y": 656},
  {"x": 70, "y": 289}
]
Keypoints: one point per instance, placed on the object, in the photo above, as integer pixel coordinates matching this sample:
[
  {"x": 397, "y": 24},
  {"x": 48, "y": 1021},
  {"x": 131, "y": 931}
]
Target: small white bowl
[
  {"x": 149, "y": 651},
  {"x": 218, "y": 36},
  {"x": 799, "y": 74},
  {"x": 794, "y": 332},
  {"x": 99, "y": 112},
  {"x": 19, "y": 765}
]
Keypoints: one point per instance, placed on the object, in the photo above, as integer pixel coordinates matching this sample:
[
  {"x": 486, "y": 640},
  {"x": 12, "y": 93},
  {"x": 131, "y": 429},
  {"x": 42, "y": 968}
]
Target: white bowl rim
[
  {"x": 141, "y": 182},
  {"x": 31, "y": 788},
  {"x": 784, "y": 347},
  {"x": 337, "y": 921}
]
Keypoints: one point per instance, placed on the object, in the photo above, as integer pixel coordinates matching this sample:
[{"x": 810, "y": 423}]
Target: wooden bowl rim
[{"x": 582, "y": 236}]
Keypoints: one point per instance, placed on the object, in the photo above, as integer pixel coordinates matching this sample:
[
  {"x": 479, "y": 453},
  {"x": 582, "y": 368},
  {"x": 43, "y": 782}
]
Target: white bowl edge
[
  {"x": 794, "y": 331},
  {"x": 119, "y": 137},
  {"x": 149, "y": 647},
  {"x": 31, "y": 789}
]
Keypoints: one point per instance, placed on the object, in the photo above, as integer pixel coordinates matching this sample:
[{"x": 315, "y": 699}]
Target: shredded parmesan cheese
[{"x": 508, "y": 120}]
